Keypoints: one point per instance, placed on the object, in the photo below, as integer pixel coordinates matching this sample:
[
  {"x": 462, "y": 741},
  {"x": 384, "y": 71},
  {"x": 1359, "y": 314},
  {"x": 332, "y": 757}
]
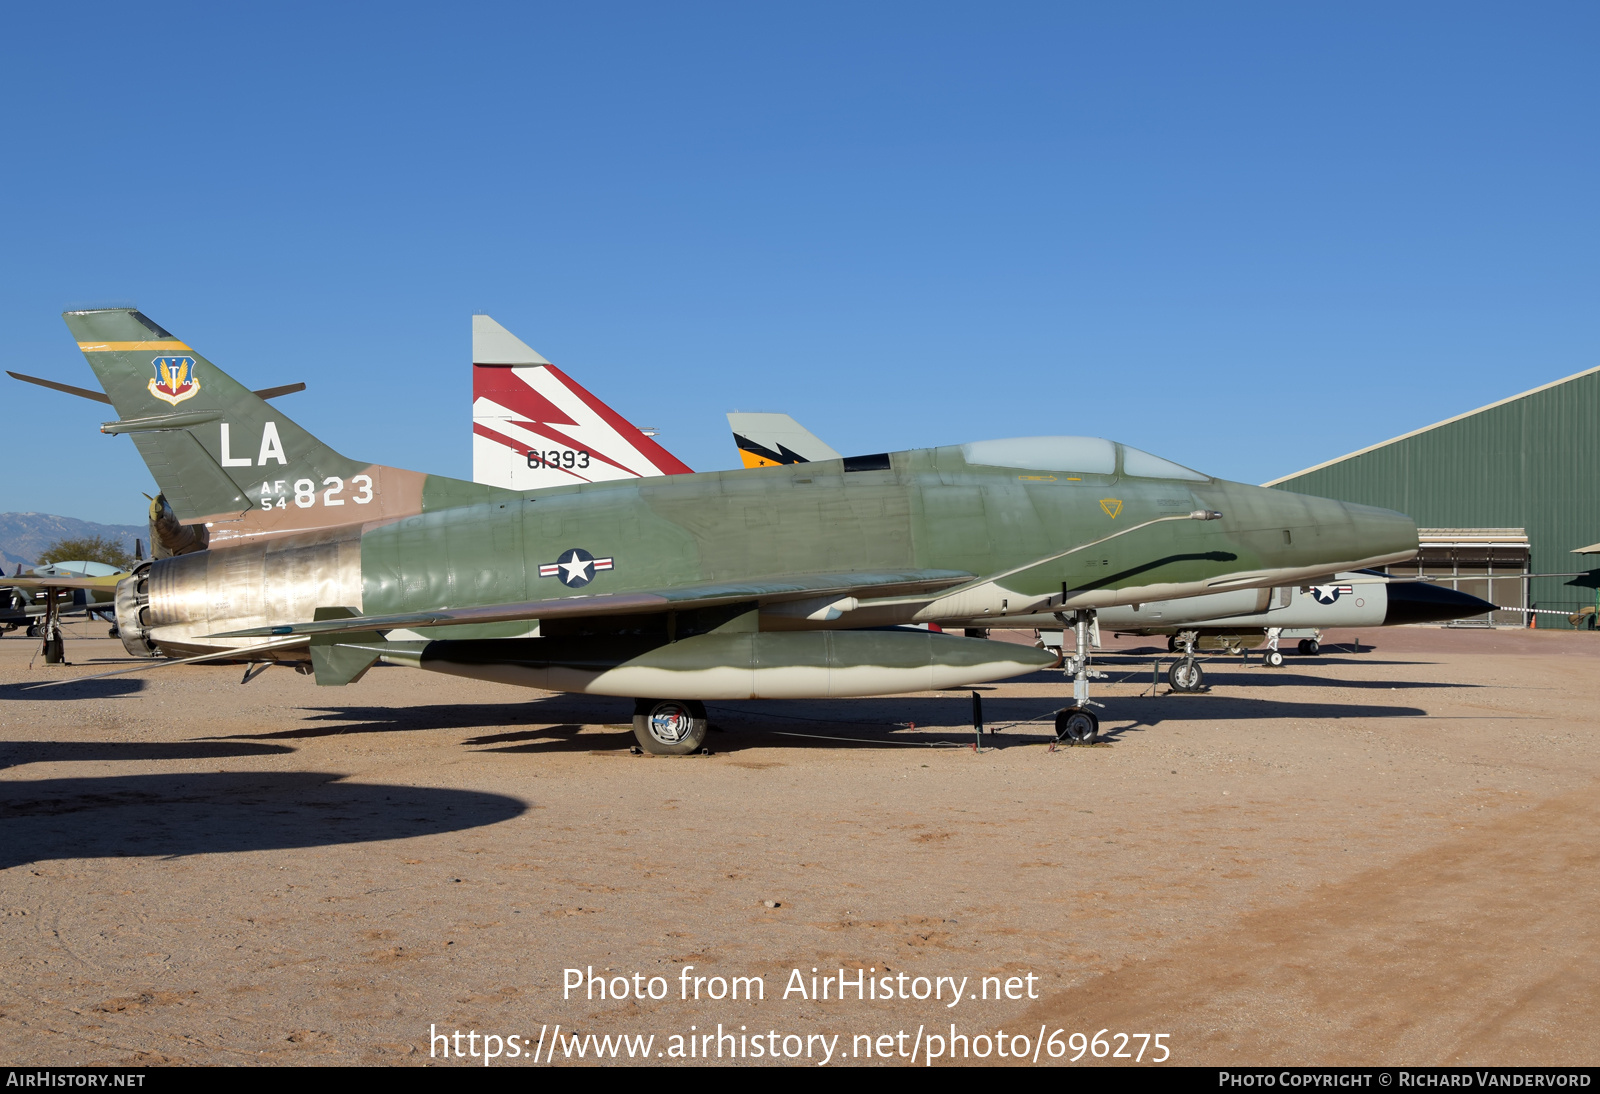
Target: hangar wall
[{"x": 1529, "y": 461}]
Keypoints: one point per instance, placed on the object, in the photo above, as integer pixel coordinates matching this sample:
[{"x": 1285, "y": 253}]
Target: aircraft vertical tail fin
[
  {"x": 533, "y": 426},
  {"x": 769, "y": 440},
  {"x": 222, "y": 455}
]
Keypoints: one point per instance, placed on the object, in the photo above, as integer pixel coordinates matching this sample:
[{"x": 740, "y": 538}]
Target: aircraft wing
[
  {"x": 800, "y": 587},
  {"x": 35, "y": 583}
]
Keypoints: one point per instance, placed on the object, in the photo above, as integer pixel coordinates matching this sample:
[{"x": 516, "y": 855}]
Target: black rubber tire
[
  {"x": 669, "y": 727},
  {"x": 113, "y": 632},
  {"x": 1313, "y": 647},
  {"x": 1274, "y": 658},
  {"x": 1079, "y": 726},
  {"x": 1186, "y": 675},
  {"x": 1172, "y": 643},
  {"x": 55, "y": 650},
  {"x": 35, "y": 630}
]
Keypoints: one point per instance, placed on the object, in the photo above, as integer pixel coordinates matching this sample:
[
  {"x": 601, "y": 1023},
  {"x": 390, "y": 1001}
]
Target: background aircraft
[
  {"x": 39, "y": 598},
  {"x": 533, "y": 426},
  {"x": 769, "y": 440}
]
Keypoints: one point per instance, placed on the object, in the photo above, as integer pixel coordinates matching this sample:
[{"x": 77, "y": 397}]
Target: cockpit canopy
[{"x": 1084, "y": 455}]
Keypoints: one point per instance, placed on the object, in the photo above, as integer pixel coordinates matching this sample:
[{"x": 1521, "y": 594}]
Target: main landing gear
[
  {"x": 669, "y": 727},
  {"x": 1078, "y": 723},
  {"x": 1185, "y": 673}
]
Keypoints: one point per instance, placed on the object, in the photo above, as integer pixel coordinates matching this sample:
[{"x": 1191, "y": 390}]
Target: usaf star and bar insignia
[{"x": 576, "y": 567}]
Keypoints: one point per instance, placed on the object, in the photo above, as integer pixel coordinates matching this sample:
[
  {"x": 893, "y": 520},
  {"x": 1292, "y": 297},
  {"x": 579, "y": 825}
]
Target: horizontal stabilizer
[
  {"x": 102, "y": 397},
  {"x": 346, "y": 658}
]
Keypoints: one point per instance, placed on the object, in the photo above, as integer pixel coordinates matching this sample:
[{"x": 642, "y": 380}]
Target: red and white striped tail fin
[{"x": 533, "y": 426}]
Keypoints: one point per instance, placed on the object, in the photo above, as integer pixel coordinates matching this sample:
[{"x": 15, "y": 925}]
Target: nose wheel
[
  {"x": 1079, "y": 726},
  {"x": 1186, "y": 673}
]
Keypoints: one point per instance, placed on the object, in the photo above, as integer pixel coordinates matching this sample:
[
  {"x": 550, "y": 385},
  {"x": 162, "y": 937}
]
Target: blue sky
[{"x": 1249, "y": 237}]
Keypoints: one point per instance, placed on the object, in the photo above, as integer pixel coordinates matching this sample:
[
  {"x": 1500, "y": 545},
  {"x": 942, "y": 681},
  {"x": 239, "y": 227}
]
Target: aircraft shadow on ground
[
  {"x": 570, "y": 723},
  {"x": 1203, "y": 708},
  {"x": 78, "y": 689},
  {"x": 1250, "y": 678},
  {"x": 377, "y": 719},
  {"x": 942, "y": 721},
  {"x": 16, "y": 753},
  {"x": 951, "y": 719},
  {"x": 202, "y": 814},
  {"x": 1294, "y": 661}
]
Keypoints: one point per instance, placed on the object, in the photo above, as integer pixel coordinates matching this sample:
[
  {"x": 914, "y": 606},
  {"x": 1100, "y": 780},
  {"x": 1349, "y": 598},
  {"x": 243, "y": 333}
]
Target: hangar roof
[{"x": 1435, "y": 425}]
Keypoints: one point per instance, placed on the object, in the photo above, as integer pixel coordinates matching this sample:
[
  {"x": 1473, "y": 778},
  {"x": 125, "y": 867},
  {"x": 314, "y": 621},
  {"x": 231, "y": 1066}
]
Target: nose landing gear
[
  {"x": 1186, "y": 673},
  {"x": 1077, "y": 723}
]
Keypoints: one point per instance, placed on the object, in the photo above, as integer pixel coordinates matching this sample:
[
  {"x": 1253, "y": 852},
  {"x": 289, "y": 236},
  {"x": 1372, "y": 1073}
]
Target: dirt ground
[{"x": 1386, "y": 855}]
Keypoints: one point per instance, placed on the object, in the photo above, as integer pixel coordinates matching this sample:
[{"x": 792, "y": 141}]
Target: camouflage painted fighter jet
[{"x": 754, "y": 583}]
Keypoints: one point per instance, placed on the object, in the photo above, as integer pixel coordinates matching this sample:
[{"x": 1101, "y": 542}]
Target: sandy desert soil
[{"x": 1383, "y": 856}]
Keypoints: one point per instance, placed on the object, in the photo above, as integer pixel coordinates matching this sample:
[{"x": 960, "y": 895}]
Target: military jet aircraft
[
  {"x": 41, "y": 597},
  {"x": 774, "y": 582}
]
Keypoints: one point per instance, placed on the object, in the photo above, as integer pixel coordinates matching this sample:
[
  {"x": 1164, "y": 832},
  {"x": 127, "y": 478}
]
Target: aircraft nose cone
[{"x": 1420, "y": 602}]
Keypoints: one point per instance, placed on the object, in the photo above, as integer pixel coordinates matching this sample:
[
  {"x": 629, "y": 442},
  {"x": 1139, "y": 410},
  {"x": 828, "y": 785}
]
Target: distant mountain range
[{"x": 24, "y": 536}]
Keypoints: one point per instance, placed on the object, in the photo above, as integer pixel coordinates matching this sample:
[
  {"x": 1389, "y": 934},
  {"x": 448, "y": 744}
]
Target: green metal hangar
[{"x": 1508, "y": 489}]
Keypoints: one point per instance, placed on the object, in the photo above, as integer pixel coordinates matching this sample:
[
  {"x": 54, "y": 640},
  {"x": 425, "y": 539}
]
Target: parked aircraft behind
[
  {"x": 533, "y": 426},
  {"x": 755, "y": 583},
  {"x": 768, "y": 440},
  {"x": 39, "y": 598}
]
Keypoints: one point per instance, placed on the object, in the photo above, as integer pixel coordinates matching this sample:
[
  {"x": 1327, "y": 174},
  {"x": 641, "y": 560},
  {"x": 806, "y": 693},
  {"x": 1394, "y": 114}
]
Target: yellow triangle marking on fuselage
[{"x": 1112, "y": 506}]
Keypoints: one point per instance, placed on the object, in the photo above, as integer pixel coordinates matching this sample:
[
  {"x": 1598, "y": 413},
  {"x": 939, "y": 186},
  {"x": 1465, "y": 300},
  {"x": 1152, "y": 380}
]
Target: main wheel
[
  {"x": 1172, "y": 643},
  {"x": 1077, "y": 725},
  {"x": 669, "y": 727},
  {"x": 55, "y": 650},
  {"x": 113, "y": 632},
  {"x": 1313, "y": 647},
  {"x": 1275, "y": 658},
  {"x": 35, "y": 630},
  {"x": 1186, "y": 675}
]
